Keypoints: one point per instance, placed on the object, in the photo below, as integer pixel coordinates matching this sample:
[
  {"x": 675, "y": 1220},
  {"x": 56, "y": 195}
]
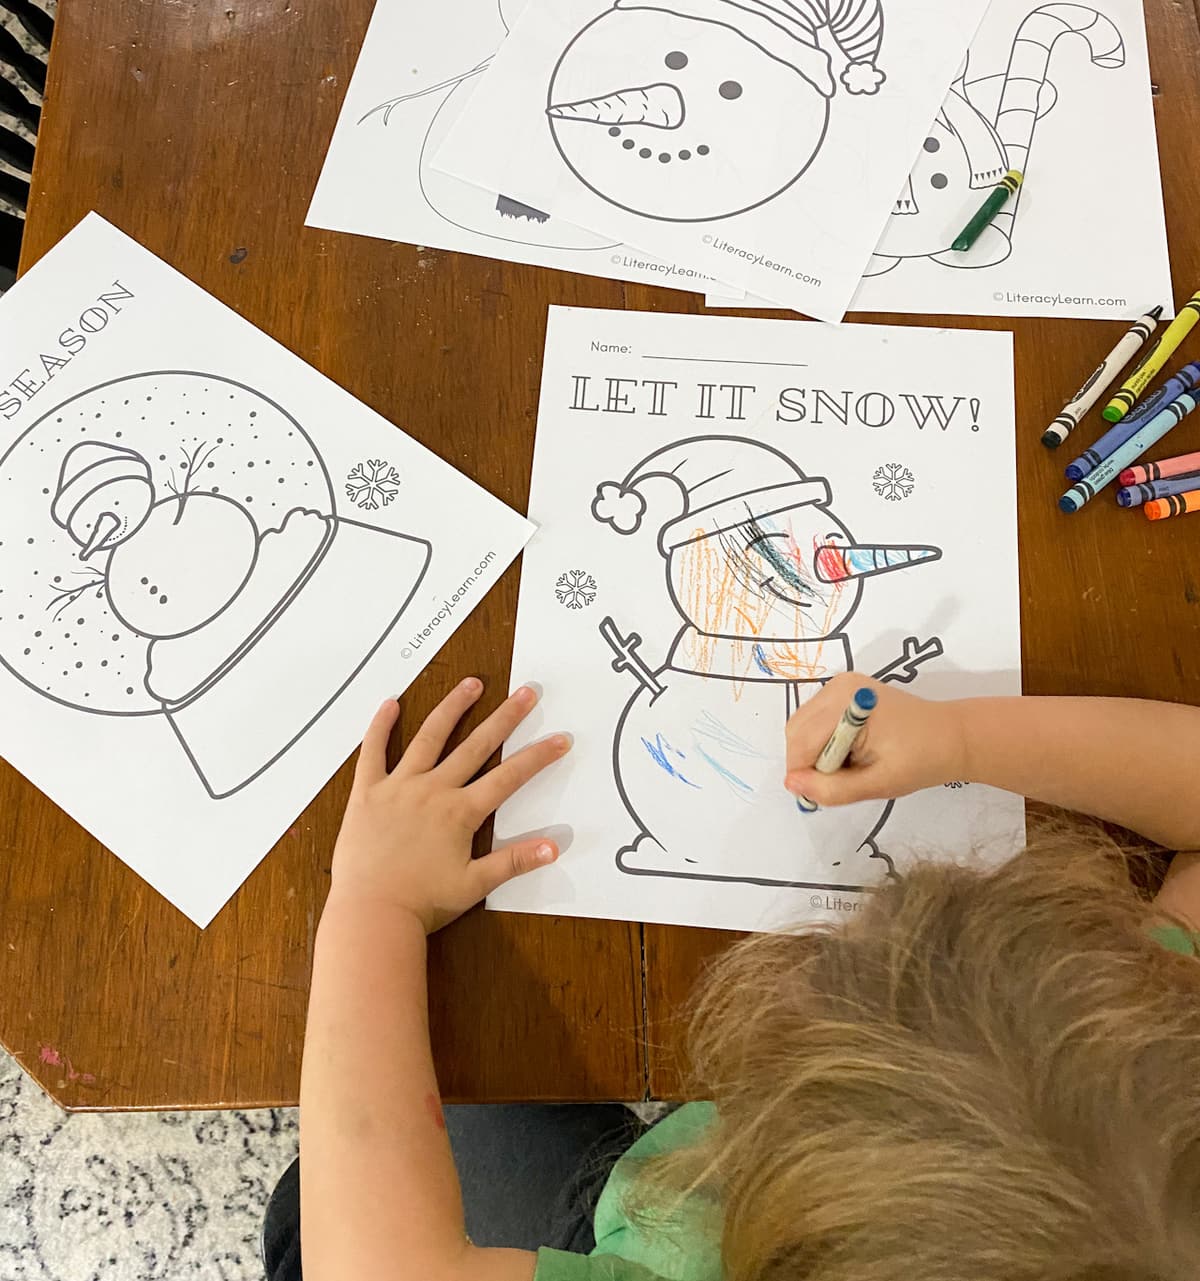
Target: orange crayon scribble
[{"x": 734, "y": 614}]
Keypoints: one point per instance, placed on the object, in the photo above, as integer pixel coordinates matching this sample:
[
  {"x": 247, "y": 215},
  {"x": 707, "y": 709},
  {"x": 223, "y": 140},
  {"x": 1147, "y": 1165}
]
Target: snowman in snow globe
[{"x": 193, "y": 555}]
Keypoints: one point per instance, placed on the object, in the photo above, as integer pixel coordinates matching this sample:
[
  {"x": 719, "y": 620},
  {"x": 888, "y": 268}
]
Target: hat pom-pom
[
  {"x": 862, "y": 78},
  {"x": 619, "y": 507}
]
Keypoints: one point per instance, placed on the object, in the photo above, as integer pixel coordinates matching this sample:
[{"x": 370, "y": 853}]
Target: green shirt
[{"x": 624, "y": 1252}]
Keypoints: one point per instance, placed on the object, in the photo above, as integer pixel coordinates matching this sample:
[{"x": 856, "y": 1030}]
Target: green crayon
[{"x": 1009, "y": 185}]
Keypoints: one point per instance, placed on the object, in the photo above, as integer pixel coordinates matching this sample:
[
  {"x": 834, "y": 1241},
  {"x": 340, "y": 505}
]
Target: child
[{"x": 983, "y": 1076}]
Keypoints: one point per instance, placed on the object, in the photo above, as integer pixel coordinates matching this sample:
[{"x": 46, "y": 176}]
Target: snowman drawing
[
  {"x": 695, "y": 110},
  {"x": 188, "y": 561},
  {"x": 437, "y": 106},
  {"x": 766, "y": 580},
  {"x": 986, "y": 127}
]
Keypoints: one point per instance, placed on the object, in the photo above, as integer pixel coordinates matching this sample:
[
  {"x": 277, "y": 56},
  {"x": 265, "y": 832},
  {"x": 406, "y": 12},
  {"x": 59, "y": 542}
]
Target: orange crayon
[{"x": 1176, "y": 505}]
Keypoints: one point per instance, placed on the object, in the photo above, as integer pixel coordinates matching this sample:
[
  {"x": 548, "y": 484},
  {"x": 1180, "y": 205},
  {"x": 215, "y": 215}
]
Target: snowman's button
[
  {"x": 676, "y": 60},
  {"x": 730, "y": 89}
]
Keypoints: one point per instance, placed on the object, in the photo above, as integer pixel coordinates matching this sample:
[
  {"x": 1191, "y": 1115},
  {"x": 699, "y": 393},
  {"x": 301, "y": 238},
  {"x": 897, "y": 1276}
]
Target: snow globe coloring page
[{"x": 214, "y": 564}]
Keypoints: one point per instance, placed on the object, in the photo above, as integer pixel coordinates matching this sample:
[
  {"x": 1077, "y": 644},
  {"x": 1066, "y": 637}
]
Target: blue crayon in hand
[
  {"x": 1112, "y": 466},
  {"x": 1115, "y": 437},
  {"x": 1149, "y": 490}
]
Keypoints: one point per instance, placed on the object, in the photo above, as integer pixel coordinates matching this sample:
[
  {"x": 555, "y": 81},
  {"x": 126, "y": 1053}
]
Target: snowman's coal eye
[
  {"x": 676, "y": 60},
  {"x": 938, "y": 181},
  {"x": 730, "y": 89}
]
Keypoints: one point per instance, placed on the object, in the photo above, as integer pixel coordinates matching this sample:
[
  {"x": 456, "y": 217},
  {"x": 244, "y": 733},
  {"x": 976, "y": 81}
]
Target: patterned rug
[{"x": 161, "y": 1196}]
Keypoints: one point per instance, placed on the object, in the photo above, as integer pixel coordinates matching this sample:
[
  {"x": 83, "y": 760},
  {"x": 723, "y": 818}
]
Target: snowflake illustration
[
  {"x": 576, "y": 589},
  {"x": 893, "y": 481},
  {"x": 372, "y": 484}
]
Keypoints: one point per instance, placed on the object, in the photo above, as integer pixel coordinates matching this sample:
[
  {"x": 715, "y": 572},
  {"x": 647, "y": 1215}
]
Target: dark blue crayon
[
  {"x": 1184, "y": 380},
  {"x": 1136, "y": 495}
]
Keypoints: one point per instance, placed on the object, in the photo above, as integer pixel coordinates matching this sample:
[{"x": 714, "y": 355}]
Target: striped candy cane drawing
[{"x": 969, "y": 148}]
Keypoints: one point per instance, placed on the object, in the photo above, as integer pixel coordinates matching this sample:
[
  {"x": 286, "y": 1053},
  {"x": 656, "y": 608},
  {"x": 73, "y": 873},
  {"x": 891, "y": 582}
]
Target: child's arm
[
  {"x": 1130, "y": 761},
  {"x": 379, "y": 1192}
]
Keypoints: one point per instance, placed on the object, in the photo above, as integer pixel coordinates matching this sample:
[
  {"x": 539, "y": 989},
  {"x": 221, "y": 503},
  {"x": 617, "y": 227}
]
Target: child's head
[{"x": 984, "y": 1076}]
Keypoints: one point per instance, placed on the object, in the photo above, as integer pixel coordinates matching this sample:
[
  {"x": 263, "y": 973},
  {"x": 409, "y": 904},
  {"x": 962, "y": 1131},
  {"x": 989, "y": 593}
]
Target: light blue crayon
[
  {"x": 1183, "y": 380},
  {"x": 1147, "y": 491},
  {"x": 1116, "y": 462}
]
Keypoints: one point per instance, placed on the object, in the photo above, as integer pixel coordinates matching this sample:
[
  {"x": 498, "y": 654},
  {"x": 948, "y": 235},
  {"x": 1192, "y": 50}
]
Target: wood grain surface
[{"x": 199, "y": 128}]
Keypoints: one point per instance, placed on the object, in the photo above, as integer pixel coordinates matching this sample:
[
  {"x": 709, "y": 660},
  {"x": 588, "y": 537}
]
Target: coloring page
[
  {"x": 762, "y": 143},
  {"x": 417, "y": 68},
  {"x": 730, "y": 513},
  {"x": 1046, "y": 89},
  {"x": 215, "y": 564}
]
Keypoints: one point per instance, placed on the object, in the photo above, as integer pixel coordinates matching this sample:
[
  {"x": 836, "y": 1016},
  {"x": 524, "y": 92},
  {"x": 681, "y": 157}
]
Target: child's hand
[
  {"x": 907, "y": 744},
  {"x": 406, "y": 836}
]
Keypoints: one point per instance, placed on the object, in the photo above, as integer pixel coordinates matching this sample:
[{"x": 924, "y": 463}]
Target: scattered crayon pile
[{"x": 1168, "y": 486}]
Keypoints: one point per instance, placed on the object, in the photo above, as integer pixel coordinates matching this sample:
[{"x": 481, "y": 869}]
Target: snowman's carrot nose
[
  {"x": 836, "y": 564},
  {"x": 107, "y": 523},
  {"x": 658, "y": 105}
]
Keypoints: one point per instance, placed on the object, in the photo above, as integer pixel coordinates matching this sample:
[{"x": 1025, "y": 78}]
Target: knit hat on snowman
[
  {"x": 104, "y": 493},
  {"x": 786, "y": 30},
  {"x": 713, "y": 484}
]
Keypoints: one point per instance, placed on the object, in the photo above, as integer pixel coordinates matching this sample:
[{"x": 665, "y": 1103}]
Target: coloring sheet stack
[
  {"x": 214, "y": 565},
  {"x": 730, "y": 513},
  {"x": 756, "y": 143},
  {"x": 763, "y": 150}
]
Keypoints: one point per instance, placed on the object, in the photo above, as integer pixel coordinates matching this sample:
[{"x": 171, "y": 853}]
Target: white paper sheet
[
  {"x": 215, "y": 564},
  {"x": 763, "y": 144},
  {"x": 417, "y": 68},
  {"x": 1057, "y": 249},
  {"x": 696, "y": 481}
]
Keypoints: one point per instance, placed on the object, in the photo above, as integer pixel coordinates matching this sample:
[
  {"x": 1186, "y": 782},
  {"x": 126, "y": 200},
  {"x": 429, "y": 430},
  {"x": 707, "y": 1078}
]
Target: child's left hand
[{"x": 406, "y": 836}]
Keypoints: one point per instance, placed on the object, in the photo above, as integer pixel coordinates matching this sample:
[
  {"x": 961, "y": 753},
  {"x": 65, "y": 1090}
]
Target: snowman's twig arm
[
  {"x": 388, "y": 107},
  {"x": 627, "y": 658},
  {"x": 903, "y": 670}
]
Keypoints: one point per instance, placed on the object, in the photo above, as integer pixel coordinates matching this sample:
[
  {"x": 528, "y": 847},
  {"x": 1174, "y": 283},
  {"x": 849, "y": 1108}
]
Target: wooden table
[{"x": 199, "y": 128}]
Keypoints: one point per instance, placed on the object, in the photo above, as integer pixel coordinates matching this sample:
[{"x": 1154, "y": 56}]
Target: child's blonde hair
[{"x": 984, "y": 1076}]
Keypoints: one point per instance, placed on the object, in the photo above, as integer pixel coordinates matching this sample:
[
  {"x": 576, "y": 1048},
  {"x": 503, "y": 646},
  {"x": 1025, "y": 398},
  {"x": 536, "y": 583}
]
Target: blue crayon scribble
[
  {"x": 720, "y": 735},
  {"x": 760, "y": 659},
  {"x": 658, "y": 754},
  {"x": 741, "y": 787}
]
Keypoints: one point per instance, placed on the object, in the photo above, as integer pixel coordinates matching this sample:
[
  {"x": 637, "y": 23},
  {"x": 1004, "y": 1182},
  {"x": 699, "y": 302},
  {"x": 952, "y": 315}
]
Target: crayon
[
  {"x": 1104, "y": 377},
  {"x": 1179, "y": 505},
  {"x": 1136, "y": 495},
  {"x": 1085, "y": 490},
  {"x": 996, "y": 201},
  {"x": 1153, "y": 361},
  {"x": 1184, "y": 380},
  {"x": 841, "y": 741},
  {"x": 1180, "y": 465}
]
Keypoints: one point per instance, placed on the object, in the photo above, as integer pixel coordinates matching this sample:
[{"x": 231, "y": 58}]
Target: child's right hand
[{"x": 908, "y": 743}]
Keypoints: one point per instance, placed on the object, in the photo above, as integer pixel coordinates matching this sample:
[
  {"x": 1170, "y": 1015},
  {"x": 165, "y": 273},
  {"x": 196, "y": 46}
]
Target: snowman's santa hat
[
  {"x": 716, "y": 483},
  {"x": 786, "y": 30}
]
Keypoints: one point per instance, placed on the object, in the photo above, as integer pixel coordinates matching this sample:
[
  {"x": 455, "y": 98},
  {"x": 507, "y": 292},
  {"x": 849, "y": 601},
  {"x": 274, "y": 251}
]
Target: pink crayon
[{"x": 1180, "y": 465}]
